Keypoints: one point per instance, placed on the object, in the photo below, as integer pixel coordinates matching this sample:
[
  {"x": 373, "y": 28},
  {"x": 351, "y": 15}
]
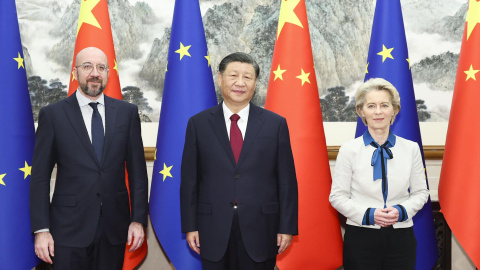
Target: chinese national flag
[
  {"x": 460, "y": 176},
  {"x": 293, "y": 93},
  {"x": 94, "y": 30}
]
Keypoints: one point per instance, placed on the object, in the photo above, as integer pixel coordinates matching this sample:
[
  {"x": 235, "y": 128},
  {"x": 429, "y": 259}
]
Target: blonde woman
[{"x": 379, "y": 185}]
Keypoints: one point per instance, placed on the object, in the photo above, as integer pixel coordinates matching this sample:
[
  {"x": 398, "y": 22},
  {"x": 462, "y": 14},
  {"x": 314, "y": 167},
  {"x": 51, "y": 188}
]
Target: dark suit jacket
[
  {"x": 263, "y": 182},
  {"x": 84, "y": 185}
]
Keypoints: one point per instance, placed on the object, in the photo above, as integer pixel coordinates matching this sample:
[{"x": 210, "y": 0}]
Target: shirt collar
[
  {"x": 83, "y": 100},
  {"x": 368, "y": 139},
  {"x": 243, "y": 113}
]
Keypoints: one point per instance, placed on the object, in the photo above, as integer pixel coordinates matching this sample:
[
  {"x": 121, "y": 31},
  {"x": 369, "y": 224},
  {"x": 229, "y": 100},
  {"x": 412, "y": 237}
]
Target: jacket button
[
  {"x": 237, "y": 176},
  {"x": 100, "y": 172},
  {"x": 98, "y": 195}
]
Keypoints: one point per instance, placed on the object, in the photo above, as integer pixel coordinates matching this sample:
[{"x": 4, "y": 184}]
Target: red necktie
[{"x": 236, "y": 139}]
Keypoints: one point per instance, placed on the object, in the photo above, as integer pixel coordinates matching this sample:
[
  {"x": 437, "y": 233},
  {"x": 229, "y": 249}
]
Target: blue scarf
[{"x": 379, "y": 159}]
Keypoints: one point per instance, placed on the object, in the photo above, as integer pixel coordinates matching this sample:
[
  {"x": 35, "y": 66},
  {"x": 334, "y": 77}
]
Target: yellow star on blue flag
[
  {"x": 17, "y": 139},
  {"x": 187, "y": 43},
  {"x": 388, "y": 34},
  {"x": 166, "y": 171},
  {"x": 1, "y": 179},
  {"x": 27, "y": 170},
  {"x": 19, "y": 60},
  {"x": 183, "y": 50},
  {"x": 386, "y": 53}
]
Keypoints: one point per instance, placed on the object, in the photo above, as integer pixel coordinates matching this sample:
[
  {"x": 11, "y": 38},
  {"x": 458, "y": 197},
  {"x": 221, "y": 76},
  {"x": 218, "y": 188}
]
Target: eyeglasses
[{"x": 88, "y": 67}]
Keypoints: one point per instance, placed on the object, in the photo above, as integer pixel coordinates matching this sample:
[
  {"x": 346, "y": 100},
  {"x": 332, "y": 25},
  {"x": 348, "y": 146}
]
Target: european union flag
[
  {"x": 388, "y": 59},
  {"x": 17, "y": 139},
  {"x": 188, "y": 90}
]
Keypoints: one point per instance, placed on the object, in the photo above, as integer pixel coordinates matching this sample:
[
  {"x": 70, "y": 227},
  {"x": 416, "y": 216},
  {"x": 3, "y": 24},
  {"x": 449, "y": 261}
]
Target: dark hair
[{"x": 239, "y": 57}]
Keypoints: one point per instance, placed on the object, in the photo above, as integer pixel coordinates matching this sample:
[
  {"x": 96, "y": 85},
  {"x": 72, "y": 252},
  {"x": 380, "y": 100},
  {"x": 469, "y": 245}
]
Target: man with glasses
[{"x": 92, "y": 139}]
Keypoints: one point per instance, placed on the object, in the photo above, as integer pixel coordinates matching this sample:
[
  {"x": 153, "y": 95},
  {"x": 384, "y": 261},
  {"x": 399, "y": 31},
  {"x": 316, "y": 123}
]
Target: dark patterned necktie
[
  {"x": 97, "y": 131},
  {"x": 236, "y": 139}
]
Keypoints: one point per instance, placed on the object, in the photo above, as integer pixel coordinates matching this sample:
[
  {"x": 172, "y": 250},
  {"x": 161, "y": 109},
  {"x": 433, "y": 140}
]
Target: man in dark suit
[
  {"x": 91, "y": 138},
  {"x": 238, "y": 190}
]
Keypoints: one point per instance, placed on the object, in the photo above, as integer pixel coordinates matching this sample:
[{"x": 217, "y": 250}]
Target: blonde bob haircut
[{"x": 378, "y": 84}]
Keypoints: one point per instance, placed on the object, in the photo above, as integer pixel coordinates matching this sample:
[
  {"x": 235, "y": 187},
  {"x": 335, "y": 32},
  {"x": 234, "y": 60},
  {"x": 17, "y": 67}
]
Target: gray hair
[{"x": 377, "y": 84}]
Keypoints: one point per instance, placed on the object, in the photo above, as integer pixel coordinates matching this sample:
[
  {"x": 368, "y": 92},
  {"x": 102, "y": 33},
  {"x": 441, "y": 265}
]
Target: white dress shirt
[
  {"x": 87, "y": 110},
  {"x": 354, "y": 191},
  {"x": 242, "y": 122}
]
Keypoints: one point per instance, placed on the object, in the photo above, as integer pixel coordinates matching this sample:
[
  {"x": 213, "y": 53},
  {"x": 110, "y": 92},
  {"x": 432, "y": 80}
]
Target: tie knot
[
  {"x": 234, "y": 117},
  {"x": 94, "y": 105}
]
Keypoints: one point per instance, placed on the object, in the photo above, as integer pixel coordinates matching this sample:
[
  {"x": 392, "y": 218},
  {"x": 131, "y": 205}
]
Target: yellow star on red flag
[
  {"x": 115, "y": 67},
  {"x": 86, "y": 15},
  {"x": 473, "y": 16},
  {"x": 94, "y": 30},
  {"x": 471, "y": 73},
  {"x": 304, "y": 77},
  {"x": 293, "y": 93},
  {"x": 287, "y": 15},
  {"x": 279, "y": 73}
]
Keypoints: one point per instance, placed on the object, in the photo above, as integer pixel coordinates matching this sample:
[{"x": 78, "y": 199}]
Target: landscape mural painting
[{"x": 340, "y": 32}]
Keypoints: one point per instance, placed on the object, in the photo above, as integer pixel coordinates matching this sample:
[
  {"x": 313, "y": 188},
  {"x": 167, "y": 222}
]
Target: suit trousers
[
  {"x": 100, "y": 255},
  {"x": 236, "y": 256},
  {"x": 379, "y": 249}
]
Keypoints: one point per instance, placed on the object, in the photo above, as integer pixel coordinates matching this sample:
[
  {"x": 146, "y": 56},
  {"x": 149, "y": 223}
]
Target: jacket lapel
[
  {"x": 217, "y": 121},
  {"x": 254, "y": 124},
  {"x": 72, "y": 110},
  {"x": 110, "y": 123}
]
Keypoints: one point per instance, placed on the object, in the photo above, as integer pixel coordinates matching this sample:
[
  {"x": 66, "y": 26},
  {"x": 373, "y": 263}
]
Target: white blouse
[{"x": 354, "y": 191}]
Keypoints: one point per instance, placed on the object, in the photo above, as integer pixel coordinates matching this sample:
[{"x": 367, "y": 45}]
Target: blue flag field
[
  {"x": 188, "y": 89},
  {"x": 17, "y": 140},
  {"x": 388, "y": 59}
]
